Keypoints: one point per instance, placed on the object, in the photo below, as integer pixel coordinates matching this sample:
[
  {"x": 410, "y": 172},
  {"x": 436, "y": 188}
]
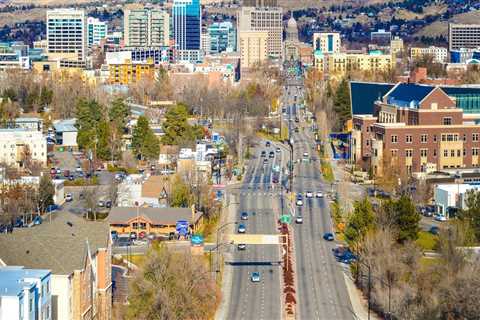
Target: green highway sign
[{"x": 286, "y": 218}]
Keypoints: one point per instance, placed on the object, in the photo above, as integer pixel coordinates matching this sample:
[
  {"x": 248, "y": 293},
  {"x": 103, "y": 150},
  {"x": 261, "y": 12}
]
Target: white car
[
  {"x": 299, "y": 203},
  {"x": 319, "y": 195},
  {"x": 440, "y": 218},
  {"x": 68, "y": 197},
  {"x": 299, "y": 220},
  {"x": 309, "y": 194}
]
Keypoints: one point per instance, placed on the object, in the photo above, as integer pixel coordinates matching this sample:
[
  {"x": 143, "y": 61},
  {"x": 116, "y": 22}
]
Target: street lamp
[
  {"x": 216, "y": 249},
  {"x": 222, "y": 227}
]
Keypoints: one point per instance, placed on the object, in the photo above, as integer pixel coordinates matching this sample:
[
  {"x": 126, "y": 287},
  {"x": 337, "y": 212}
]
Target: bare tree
[{"x": 91, "y": 196}]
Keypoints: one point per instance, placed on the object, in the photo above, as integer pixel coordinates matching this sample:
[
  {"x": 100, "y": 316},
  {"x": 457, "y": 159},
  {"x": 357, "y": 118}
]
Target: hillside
[{"x": 441, "y": 27}]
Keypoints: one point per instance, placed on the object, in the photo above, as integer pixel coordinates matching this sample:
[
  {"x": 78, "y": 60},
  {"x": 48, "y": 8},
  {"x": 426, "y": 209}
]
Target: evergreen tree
[
  {"x": 144, "y": 142},
  {"x": 176, "y": 126},
  {"x": 407, "y": 219},
  {"x": 119, "y": 113},
  {"x": 360, "y": 221},
  {"x": 472, "y": 213},
  {"x": 103, "y": 150},
  {"x": 341, "y": 104}
]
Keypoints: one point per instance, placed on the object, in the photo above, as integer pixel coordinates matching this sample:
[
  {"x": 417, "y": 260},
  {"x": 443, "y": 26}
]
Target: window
[
  {"x": 464, "y": 152},
  {"x": 447, "y": 121},
  {"x": 475, "y": 137},
  {"x": 445, "y": 153},
  {"x": 464, "y": 137},
  {"x": 452, "y": 153},
  {"x": 459, "y": 152},
  {"x": 423, "y": 152},
  {"x": 423, "y": 138},
  {"x": 368, "y": 142},
  {"x": 434, "y": 138},
  {"x": 408, "y": 153},
  {"x": 394, "y": 138},
  {"x": 408, "y": 138},
  {"x": 394, "y": 153},
  {"x": 434, "y": 152},
  {"x": 475, "y": 151}
]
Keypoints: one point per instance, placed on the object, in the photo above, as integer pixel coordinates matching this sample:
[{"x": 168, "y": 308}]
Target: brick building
[{"x": 417, "y": 128}]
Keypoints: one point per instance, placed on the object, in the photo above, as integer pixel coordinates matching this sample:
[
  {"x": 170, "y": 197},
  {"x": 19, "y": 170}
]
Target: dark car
[
  {"x": 71, "y": 177},
  {"x": 108, "y": 204},
  {"x": 263, "y": 154},
  {"x": 434, "y": 230},
  {"x": 267, "y": 144},
  {"x": 244, "y": 216},
  {"x": 328, "y": 236},
  {"x": 18, "y": 223}
]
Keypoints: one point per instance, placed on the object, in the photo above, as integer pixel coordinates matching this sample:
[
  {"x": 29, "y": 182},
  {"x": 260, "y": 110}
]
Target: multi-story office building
[
  {"x": 396, "y": 46},
  {"x": 260, "y": 3},
  {"x": 187, "y": 26},
  {"x": 463, "y": 36},
  {"x": 25, "y": 293},
  {"x": 438, "y": 54},
  {"x": 223, "y": 37},
  {"x": 97, "y": 31},
  {"x": 146, "y": 27},
  {"x": 267, "y": 19},
  {"x": 327, "y": 42},
  {"x": 253, "y": 48},
  {"x": 416, "y": 128},
  {"x": 19, "y": 144},
  {"x": 206, "y": 43},
  {"x": 67, "y": 33}
]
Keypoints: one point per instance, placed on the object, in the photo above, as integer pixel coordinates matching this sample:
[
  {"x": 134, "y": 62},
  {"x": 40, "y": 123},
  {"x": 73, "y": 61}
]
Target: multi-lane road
[{"x": 321, "y": 289}]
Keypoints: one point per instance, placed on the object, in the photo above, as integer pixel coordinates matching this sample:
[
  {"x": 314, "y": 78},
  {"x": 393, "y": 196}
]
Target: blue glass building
[{"x": 186, "y": 15}]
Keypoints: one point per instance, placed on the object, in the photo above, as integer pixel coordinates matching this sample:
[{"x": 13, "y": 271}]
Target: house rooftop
[
  {"x": 67, "y": 125},
  {"x": 408, "y": 94},
  {"x": 59, "y": 245},
  {"x": 166, "y": 216}
]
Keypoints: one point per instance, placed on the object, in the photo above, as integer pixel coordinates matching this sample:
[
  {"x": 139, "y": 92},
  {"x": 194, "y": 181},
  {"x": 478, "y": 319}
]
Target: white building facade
[{"x": 18, "y": 145}]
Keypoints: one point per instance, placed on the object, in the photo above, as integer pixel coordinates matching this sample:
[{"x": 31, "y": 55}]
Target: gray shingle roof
[
  {"x": 54, "y": 245},
  {"x": 166, "y": 216}
]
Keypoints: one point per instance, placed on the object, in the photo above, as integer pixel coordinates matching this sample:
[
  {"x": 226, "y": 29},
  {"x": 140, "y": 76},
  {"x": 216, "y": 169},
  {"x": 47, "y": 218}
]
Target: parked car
[
  {"x": 114, "y": 235},
  {"x": 244, "y": 216},
  {"x": 267, "y": 144},
  {"x": 101, "y": 203},
  {"x": 108, "y": 204},
  {"x": 37, "y": 220},
  {"x": 241, "y": 246},
  {"x": 309, "y": 194},
  {"x": 319, "y": 194},
  {"x": 18, "y": 223},
  {"x": 277, "y": 150},
  {"x": 434, "y": 230},
  {"x": 440, "y": 217},
  {"x": 271, "y": 155},
  {"x": 263, "y": 154}
]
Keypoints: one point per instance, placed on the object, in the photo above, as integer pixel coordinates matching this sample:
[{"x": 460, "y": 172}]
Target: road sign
[
  {"x": 286, "y": 218},
  {"x": 197, "y": 240},
  {"x": 182, "y": 227}
]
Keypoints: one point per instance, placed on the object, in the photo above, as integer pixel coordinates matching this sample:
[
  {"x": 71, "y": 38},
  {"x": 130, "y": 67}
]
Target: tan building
[
  {"x": 124, "y": 71},
  {"x": 327, "y": 42},
  {"x": 253, "y": 48},
  {"x": 146, "y": 27},
  {"x": 340, "y": 63},
  {"x": 396, "y": 46},
  {"x": 78, "y": 252},
  {"x": 439, "y": 54},
  {"x": 267, "y": 19}
]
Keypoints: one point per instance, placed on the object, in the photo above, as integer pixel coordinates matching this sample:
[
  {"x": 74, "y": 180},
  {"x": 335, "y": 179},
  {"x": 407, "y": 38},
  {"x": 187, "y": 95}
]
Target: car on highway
[
  {"x": 328, "y": 236},
  {"x": 309, "y": 194},
  {"x": 267, "y": 144},
  {"x": 255, "y": 277},
  {"x": 101, "y": 204},
  {"x": 108, "y": 204},
  {"x": 68, "y": 197},
  {"x": 297, "y": 120},
  {"x": 244, "y": 216},
  {"x": 71, "y": 177},
  {"x": 271, "y": 155},
  {"x": 265, "y": 161},
  {"x": 241, "y": 228},
  {"x": 296, "y": 130},
  {"x": 299, "y": 219},
  {"x": 263, "y": 154},
  {"x": 241, "y": 246},
  {"x": 305, "y": 156},
  {"x": 277, "y": 150},
  {"x": 319, "y": 194},
  {"x": 299, "y": 200}
]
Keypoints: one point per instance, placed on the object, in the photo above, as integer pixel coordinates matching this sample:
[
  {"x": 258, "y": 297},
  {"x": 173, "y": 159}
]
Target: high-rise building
[
  {"x": 97, "y": 31},
  {"x": 67, "y": 33},
  {"x": 187, "y": 26},
  {"x": 223, "y": 37},
  {"x": 260, "y": 3},
  {"x": 146, "y": 27},
  {"x": 327, "y": 42},
  {"x": 267, "y": 19},
  {"x": 463, "y": 36},
  {"x": 253, "y": 47}
]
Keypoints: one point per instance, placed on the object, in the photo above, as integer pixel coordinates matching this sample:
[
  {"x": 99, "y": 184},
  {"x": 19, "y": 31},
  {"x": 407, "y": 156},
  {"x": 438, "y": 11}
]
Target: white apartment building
[
  {"x": 327, "y": 42},
  {"x": 463, "y": 36},
  {"x": 67, "y": 33},
  {"x": 97, "y": 31},
  {"x": 267, "y": 19},
  {"x": 17, "y": 143},
  {"x": 253, "y": 48},
  {"x": 146, "y": 27},
  {"x": 439, "y": 54}
]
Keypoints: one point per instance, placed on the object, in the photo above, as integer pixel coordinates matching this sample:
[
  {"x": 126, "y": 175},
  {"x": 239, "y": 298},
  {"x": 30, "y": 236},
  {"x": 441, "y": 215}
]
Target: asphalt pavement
[{"x": 260, "y": 300}]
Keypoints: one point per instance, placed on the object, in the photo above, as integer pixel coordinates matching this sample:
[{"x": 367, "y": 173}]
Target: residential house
[{"x": 78, "y": 253}]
